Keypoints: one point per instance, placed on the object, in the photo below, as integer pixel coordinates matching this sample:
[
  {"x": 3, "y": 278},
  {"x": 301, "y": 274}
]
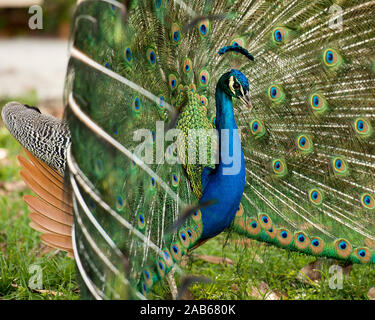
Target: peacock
[{"x": 187, "y": 119}]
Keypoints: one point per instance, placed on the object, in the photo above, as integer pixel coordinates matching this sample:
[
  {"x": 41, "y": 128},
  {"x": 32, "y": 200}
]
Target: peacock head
[{"x": 234, "y": 83}]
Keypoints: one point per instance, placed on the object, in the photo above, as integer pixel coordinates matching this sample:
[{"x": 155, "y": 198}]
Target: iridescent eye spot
[
  {"x": 119, "y": 202},
  {"x": 331, "y": 58},
  {"x": 153, "y": 136},
  {"x": 278, "y": 36},
  {"x": 204, "y": 28},
  {"x": 273, "y": 92},
  {"x": 173, "y": 83},
  {"x": 136, "y": 106},
  {"x": 141, "y": 222},
  {"x": 284, "y": 237},
  {"x": 238, "y": 41},
  {"x": 265, "y": 221},
  {"x": 318, "y": 103},
  {"x": 166, "y": 255},
  {"x": 176, "y": 36},
  {"x": 161, "y": 266},
  {"x": 340, "y": 166},
  {"x": 204, "y": 78},
  {"x": 257, "y": 128},
  {"x": 343, "y": 245},
  {"x": 175, "y": 249},
  {"x": 279, "y": 167},
  {"x": 147, "y": 274},
  {"x": 367, "y": 201},
  {"x": 276, "y": 94},
  {"x": 304, "y": 144},
  {"x": 128, "y": 55},
  {"x": 176, "y": 33},
  {"x": 301, "y": 240},
  {"x": 151, "y": 56},
  {"x": 175, "y": 180},
  {"x": 317, "y": 245},
  {"x": 343, "y": 248},
  {"x": 362, "y": 127},
  {"x": 190, "y": 234},
  {"x": 187, "y": 66},
  {"x": 203, "y": 101},
  {"x": 107, "y": 65},
  {"x": 253, "y": 227},
  {"x": 315, "y": 196},
  {"x": 197, "y": 216},
  {"x": 184, "y": 239},
  {"x": 153, "y": 182},
  {"x": 363, "y": 254}
]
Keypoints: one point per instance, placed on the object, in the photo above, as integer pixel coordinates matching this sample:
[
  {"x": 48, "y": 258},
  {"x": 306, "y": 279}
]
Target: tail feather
[{"x": 51, "y": 212}]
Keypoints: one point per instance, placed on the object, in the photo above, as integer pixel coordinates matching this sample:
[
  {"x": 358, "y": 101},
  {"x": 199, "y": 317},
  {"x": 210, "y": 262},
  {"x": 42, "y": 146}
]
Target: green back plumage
[{"x": 308, "y": 141}]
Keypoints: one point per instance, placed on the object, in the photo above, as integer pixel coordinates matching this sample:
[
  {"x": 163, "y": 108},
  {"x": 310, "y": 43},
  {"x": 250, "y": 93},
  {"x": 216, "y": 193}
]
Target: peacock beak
[{"x": 245, "y": 98}]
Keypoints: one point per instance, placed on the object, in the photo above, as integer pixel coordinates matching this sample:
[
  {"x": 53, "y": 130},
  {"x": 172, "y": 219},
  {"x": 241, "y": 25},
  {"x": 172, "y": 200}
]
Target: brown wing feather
[{"x": 51, "y": 212}]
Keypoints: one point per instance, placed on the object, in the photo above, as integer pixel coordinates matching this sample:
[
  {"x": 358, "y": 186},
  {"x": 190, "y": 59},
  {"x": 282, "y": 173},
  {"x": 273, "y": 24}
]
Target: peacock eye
[{"x": 236, "y": 86}]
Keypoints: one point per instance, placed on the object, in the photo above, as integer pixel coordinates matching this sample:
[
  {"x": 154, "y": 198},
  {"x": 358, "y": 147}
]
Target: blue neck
[{"x": 226, "y": 183}]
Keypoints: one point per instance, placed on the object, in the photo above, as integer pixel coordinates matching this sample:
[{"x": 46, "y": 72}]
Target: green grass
[
  {"x": 260, "y": 264},
  {"x": 253, "y": 268}
]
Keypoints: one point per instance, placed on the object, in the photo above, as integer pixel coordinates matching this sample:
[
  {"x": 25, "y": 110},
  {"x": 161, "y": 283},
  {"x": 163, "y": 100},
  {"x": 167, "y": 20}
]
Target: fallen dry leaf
[
  {"x": 263, "y": 291},
  {"x": 3, "y": 153},
  {"x": 234, "y": 287},
  {"x": 314, "y": 270},
  {"x": 54, "y": 293},
  {"x": 13, "y": 186},
  {"x": 371, "y": 293}
]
